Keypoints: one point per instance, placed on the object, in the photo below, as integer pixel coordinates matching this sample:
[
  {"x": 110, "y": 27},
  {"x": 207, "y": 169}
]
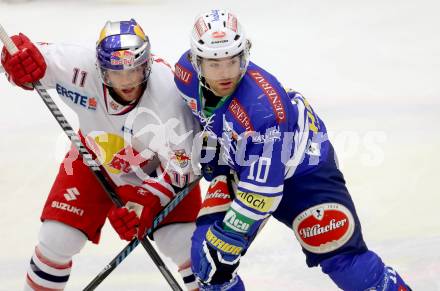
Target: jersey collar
[{"x": 115, "y": 108}]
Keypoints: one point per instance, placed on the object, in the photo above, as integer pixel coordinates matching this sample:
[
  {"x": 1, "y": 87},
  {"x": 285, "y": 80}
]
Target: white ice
[{"x": 371, "y": 69}]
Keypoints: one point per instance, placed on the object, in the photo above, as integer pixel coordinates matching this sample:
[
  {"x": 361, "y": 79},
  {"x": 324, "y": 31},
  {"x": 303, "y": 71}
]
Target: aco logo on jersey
[
  {"x": 237, "y": 221},
  {"x": 324, "y": 227},
  {"x": 84, "y": 101}
]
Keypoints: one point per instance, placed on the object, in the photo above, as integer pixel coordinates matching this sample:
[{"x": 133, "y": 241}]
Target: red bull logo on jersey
[
  {"x": 124, "y": 58},
  {"x": 181, "y": 158},
  {"x": 324, "y": 228},
  {"x": 125, "y": 159},
  {"x": 114, "y": 154}
]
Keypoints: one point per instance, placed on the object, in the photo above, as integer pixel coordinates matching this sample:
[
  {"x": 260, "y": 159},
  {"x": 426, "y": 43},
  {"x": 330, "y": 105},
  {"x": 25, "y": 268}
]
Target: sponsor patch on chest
[
  {"x": 240, "y": 115},
  {"x": 324, "y": 227},
  {"x": 77, "y": 98},
  {"x": 273, "y": 96}
]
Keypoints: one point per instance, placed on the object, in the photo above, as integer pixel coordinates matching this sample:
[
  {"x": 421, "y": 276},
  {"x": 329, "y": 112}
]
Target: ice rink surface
[{"x": 371, "y": 70}]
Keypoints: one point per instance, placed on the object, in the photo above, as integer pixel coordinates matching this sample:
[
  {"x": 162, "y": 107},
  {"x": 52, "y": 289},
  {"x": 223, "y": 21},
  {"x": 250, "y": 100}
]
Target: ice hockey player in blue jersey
[{"x": 266, "y": 153}]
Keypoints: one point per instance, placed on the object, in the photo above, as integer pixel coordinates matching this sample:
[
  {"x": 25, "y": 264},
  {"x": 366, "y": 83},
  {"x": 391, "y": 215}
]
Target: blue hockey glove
[{"x": 220, "y": 255}]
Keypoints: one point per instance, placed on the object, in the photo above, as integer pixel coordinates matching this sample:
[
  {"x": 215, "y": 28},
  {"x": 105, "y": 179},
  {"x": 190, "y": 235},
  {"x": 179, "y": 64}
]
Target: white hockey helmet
[{"x": 218, "y": 34}]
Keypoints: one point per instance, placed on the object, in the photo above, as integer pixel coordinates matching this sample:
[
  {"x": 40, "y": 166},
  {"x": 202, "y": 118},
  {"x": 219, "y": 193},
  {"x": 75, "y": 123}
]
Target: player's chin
[
  {"x": 225, "y": 88},
  {"x": 129, "y": 94}
]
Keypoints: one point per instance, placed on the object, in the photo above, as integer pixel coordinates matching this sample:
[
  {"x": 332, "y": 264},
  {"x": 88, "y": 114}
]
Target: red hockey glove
[
  {"x": 137, "y": 216},
  {"x": 124, "y": 221},
  {"x": 25, "y": 66}
]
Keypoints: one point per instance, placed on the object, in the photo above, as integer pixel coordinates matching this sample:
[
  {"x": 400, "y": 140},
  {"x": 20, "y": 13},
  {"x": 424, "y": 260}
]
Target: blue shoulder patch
[{"x": 262, "y": 98}]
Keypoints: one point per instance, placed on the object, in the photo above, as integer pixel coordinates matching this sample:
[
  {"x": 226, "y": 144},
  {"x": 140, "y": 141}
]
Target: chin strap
[{"x": 208, "y": 95}]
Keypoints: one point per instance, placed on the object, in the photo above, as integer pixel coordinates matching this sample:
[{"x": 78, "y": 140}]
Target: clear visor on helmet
[
  {"x": 125, "y": 79},
  {"x": 222, "y": 69}
]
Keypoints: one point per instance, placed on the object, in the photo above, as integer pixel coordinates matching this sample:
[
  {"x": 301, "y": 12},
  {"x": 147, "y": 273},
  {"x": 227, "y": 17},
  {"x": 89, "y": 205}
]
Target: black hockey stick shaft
[
  {"x": 89, "y": 161},
  {"x": 134, "y": 243}
]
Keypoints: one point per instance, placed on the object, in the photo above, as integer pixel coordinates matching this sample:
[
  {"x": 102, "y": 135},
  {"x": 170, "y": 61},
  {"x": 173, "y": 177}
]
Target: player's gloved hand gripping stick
[
  {"x": 90, "y": 162},
  {"x": 134, "y": 243}
]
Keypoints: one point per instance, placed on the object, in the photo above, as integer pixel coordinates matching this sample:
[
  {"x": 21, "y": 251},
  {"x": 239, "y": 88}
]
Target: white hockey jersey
[{"x": 155, "y": 135}]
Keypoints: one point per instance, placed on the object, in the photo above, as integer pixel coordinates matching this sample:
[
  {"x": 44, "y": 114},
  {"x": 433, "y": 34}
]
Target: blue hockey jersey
[{"x": 266, "y": 135}]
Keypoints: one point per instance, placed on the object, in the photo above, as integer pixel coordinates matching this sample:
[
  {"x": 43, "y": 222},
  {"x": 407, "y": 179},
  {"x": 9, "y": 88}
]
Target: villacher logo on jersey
[
  {"x": 324, "y": 228},
  {"x": 217, "y": 194}
]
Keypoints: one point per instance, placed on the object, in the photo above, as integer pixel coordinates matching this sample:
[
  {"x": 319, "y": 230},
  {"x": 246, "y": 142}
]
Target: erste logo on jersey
[
  {"x": 84, "y": 101},
  {"x": 324, "y": 228}
]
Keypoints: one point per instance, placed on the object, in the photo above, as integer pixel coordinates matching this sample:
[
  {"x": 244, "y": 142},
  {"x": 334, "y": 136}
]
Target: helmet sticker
[
  {"x": 201, "y": 27},
  {"x": 125, "y": 58},
  {"x": 218, "y": 34},
  {"x": 232, "y": 22}
]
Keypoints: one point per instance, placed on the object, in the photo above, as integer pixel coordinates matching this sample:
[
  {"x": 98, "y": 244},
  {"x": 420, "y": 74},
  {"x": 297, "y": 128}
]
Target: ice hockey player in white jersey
[{"x": 135, "y": 124}]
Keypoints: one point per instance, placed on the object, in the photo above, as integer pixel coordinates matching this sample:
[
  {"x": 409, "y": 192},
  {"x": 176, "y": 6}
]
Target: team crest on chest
[{"x": 181, "y": 158}]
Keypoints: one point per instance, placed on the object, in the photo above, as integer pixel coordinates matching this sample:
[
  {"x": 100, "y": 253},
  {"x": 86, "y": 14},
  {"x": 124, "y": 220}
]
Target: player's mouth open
[
  {"x": 128, "y": 91},
  {"x": 226, "y": 84}
]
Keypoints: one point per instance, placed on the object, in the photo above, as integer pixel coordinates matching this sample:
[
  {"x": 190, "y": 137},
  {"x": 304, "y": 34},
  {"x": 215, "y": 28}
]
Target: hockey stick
[
  {"x": 134, "y": 243},
  {"x": 89, "y": 161}
]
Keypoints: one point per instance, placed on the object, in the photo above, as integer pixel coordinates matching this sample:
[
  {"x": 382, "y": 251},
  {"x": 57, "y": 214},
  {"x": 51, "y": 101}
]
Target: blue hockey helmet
[{"x": 123, "y": 46}]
